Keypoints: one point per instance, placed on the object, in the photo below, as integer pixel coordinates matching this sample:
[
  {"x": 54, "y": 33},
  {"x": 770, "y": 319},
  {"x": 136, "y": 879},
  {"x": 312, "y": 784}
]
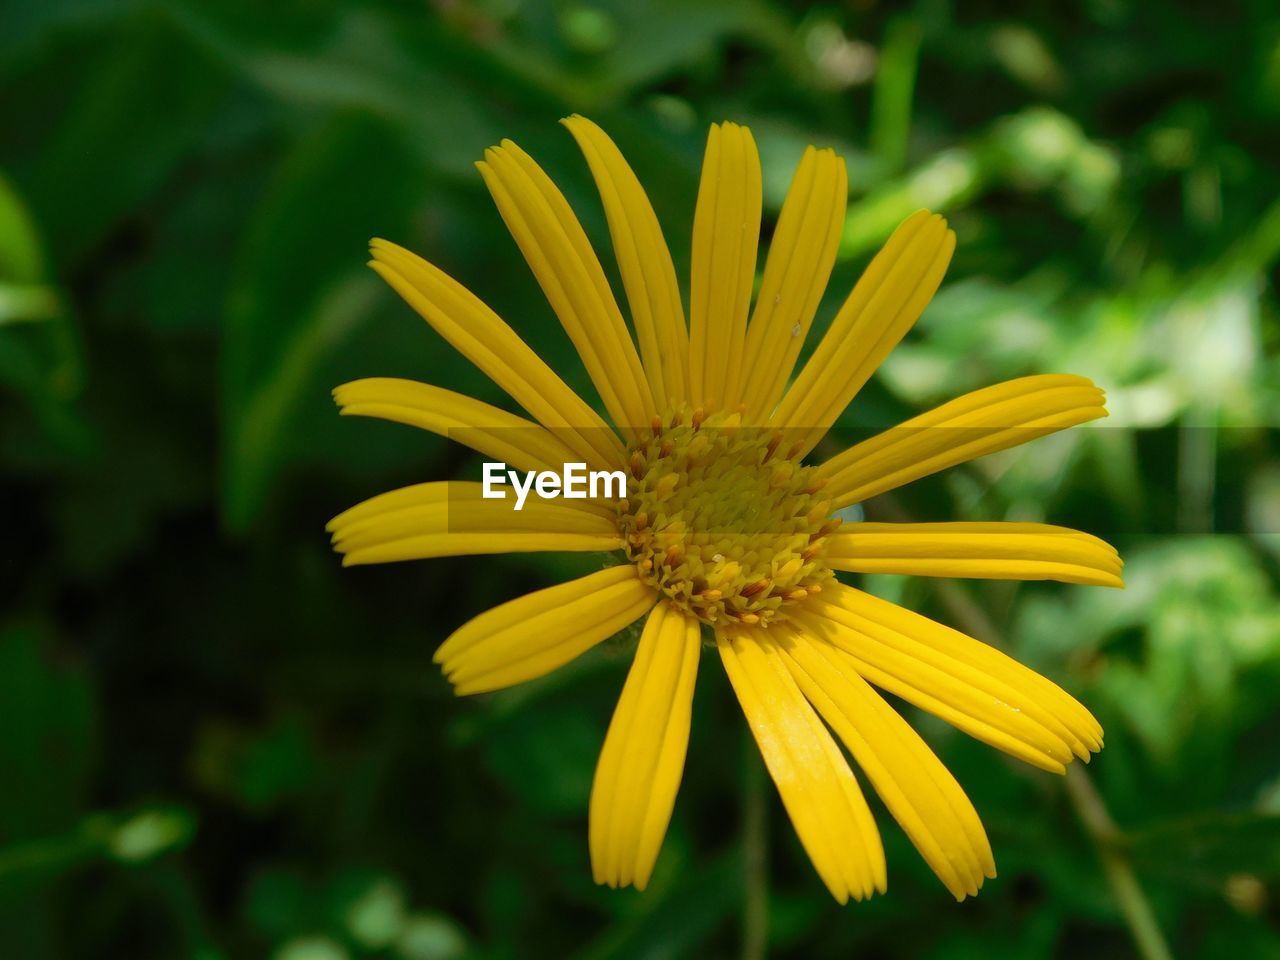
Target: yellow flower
[{"x": 725, "y": 530}]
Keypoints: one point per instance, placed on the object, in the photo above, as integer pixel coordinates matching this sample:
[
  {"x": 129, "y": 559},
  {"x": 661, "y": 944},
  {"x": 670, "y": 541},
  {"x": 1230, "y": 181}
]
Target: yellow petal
[
  {"x": 452, "y": 518},
  {"x": 558, "y": 252},
  {"x": 967, "y": 683},
  {"x": 888, "y": 299},
  {"x": 643, "y": 757},
  {"x": 822, "y": 798},
  {"x": 801, "y": 254},
  {"x": 482, "y": 427},
  {"x": 478, "y": 334},
  {"x": 533, "y": 635},
  {"x": 984, "y": 421},
  {"x": 1002, "y": 551},
  {"x": 726, "y": 237},
  {"x": 917, "y": 789},
  {"x": 648, "y": 275}
]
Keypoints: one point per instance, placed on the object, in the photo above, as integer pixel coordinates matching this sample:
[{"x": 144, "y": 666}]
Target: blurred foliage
[{"x": 217, "y": 743}]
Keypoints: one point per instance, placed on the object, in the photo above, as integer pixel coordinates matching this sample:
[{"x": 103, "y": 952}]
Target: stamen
[
  {"x": 770, "y": 449},
  {"x": 666, "y": 485},
  {"x": 790, "y": 568}
]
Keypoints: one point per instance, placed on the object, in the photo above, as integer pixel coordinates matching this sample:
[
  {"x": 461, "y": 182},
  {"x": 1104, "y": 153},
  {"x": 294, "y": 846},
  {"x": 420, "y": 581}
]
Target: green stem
[
  {"x": 1124, "y": 882},
  {"x": 1084, "y": 796},
  {"x": 755, "y": 855}
]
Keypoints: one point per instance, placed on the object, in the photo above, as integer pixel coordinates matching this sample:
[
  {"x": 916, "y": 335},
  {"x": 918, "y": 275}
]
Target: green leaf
[
  {"x": 1211, "y": 847},
  {"x": 548, "y": 764},
  {"x": 674, "y": 925},
  {"x": 300, "y": 293},
  {"x": 894, "y": 87},
  {"x": 40, "y": 355},
  {"x": 134, "y": 151},
  {"x": 46, "y": 711},
  {"x": 431, "y": 936},
  {"x": 21, "y": 259}
]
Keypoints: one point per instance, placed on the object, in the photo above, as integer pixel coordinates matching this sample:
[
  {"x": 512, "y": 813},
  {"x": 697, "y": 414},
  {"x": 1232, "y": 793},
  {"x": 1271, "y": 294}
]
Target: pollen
[{"x": 723, "y": 522}]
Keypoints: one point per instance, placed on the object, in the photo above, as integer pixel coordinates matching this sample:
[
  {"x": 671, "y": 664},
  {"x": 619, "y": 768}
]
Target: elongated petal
[
  {"x": 967, "y": 683},
  {"x": 422, "y": 495},
  {"x": 822, "y": 798},
  {"x": 888, "y": 299},
  {"x": 801, "y": 254},
  {"x": 726, "y": 237},
  {"x": 984, "y": 421},
  {"x": 643, "y": 757},
  {"x": 453, "y": 518},
  {"x": 1001, "y": 551},
  {"x": 644, "y": 260},
  {"x": 557, "y": 250},
  {"x": 479, "y": 334},
  {"x": 482, "y": 427},
  {"x": 917, "y": 789},
  {"x": 529, "y": 637}
]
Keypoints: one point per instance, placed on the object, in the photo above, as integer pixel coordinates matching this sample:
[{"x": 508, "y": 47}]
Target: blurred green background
[{"x": 216, "y": 743}]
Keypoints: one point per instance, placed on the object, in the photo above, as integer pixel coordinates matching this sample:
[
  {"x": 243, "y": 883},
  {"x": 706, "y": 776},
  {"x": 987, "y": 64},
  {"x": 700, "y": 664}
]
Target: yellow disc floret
[{"x": 723, "y": 519}]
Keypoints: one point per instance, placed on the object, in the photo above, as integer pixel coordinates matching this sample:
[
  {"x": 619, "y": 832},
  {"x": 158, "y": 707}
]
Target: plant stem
[
  {"x": 1124, "y": 882},
  {"x": 755, "y": 855},
  {"x": 1084, "y": 796}
]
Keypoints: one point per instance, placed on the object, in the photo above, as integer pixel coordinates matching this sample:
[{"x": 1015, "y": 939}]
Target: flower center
[{"x": 723, "y": 520}]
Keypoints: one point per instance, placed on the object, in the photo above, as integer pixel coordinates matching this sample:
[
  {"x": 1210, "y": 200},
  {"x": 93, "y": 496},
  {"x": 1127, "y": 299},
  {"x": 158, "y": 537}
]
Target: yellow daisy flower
[{"x": 725, "y": 530}]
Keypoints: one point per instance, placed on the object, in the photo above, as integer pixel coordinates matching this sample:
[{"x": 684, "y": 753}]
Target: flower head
[{"x": 726, "y": 529}]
